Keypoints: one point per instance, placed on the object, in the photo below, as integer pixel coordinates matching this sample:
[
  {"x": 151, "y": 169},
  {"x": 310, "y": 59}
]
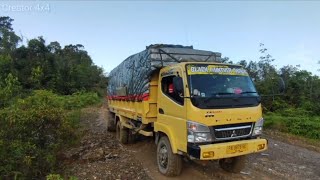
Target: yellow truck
[{"x": 190, "y": 104}]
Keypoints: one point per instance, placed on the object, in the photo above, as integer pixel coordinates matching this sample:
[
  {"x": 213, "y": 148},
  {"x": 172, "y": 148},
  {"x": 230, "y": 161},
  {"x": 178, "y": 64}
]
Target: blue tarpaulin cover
[{"x": 134, "y": 73}]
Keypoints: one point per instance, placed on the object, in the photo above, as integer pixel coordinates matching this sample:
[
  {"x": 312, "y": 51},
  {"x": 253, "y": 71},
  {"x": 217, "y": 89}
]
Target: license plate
[{"x": 237, "y": 148}]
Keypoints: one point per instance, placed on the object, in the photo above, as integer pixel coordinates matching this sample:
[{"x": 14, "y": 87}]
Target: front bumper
[{"x": 227, "y": 149}]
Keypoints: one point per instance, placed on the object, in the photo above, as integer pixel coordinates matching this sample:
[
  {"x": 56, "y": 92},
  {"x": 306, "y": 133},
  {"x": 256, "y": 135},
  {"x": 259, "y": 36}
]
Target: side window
[{"x": 168, "y": 89}]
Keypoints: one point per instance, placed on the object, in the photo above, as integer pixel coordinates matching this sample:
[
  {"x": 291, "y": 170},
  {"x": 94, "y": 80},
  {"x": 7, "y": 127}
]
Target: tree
[
  {"x": 9, "y": 89},
  {"x": 39, "y": 65},
  {"x": 54, "y": 47},
  {"x": 8, "y": 39},
  {"x": 226, "y": 60},
  {"x": 5, "y": 66}
]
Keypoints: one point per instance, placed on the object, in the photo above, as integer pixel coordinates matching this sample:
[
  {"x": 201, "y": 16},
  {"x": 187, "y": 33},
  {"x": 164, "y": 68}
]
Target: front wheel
[
  {"x": 132, "y": 137},
  {"x": 234, "y": 164},
  {"x": 169, "y": 164}
]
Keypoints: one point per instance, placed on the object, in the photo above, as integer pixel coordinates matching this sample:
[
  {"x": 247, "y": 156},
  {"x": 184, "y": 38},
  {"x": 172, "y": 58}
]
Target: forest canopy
[{"x": 41, "y": 65}]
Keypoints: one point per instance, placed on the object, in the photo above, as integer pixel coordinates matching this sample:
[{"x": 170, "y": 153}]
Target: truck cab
[{"x": 207, "y": 111}]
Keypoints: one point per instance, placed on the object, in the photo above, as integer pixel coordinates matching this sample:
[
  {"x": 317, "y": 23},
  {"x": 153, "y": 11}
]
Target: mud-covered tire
[
  {"x": 132, "y": 138},
  {"x": 111, "y": 125},
  {"x": 234, "y": 164},
  {"x": 169, "y": 164},
  {"x": 121, "y": 133}
]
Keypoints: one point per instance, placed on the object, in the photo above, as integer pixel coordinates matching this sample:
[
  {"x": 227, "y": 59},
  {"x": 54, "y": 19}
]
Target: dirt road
[{"x": 281, "y": 161}]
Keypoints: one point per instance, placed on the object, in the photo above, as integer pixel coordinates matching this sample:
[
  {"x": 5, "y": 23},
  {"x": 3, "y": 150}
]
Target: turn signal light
[
  {"x": 208, "y": 154},
  {"x": 261, "y": 146}
]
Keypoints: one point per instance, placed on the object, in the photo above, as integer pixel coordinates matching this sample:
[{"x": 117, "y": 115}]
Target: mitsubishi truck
[{"x": 192, "y": 105}]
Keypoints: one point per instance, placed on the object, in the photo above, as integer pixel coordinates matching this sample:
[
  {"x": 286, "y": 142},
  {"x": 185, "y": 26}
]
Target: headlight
[
  {"x": 198, "y": 132},
  {"x": 257, "y": 130}
]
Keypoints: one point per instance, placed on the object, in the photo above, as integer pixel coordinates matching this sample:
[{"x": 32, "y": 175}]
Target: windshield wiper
[
  {"x": 248, "y": 92},
  {"x": 221, "y": 93}
]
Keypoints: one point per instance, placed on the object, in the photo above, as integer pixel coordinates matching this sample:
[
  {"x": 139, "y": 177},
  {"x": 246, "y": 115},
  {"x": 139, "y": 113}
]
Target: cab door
[{"x": 172, "y": 109}]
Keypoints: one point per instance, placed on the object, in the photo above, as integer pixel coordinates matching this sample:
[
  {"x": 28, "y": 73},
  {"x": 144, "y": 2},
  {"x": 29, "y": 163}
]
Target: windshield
[
  {"x": 221, "y": 86},
  {"x": 208, "y": 85}
]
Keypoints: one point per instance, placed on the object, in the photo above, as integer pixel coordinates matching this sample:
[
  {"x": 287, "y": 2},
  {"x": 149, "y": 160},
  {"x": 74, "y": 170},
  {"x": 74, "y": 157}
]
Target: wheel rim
[{"x": 163, "y": 156}]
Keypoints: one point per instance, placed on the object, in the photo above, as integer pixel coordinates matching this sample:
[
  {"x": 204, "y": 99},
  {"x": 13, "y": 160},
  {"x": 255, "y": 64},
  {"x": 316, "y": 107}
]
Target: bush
[
  {"x": 294, "y": 122},
  {"x": 9, "y": 89},
  {"x": 79, "y": 100},
  {"x": 274, "y": 121},
  {"x": 34, "y": 129},
  {"x": 295, "y": 112},
  {"x": 304, "y": 126}
]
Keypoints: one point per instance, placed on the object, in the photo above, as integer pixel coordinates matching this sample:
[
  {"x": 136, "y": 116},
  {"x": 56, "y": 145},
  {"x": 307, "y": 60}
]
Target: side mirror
[
  {"x": 282, "y": 85},
  {"x": 278, "y": 85},
  {"x": 178, "y": 84}
]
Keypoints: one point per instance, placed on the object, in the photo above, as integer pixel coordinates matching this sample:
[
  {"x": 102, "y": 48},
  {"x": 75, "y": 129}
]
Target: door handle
[{"x": 161, "y": 111}]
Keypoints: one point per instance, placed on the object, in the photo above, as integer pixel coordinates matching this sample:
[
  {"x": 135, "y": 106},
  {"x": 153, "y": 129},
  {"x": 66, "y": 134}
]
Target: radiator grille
[{"x": 232, "y": 131}]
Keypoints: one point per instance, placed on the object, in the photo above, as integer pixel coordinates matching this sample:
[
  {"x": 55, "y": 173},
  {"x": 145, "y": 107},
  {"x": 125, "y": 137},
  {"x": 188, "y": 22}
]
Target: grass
[{"x": 296, "y": 124}]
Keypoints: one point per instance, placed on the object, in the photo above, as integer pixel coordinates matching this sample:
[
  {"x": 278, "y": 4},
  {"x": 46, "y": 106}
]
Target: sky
[{"x": 111, "y": 31}]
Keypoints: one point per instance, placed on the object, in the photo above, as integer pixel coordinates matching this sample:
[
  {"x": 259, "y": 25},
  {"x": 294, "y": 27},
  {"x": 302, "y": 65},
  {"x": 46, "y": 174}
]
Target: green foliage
[
  {"x": 9, "y": 89},
  {"x": 5, "y": 65},
  {"x": 296, "y": 122},
  {"x": 36, "y": 121},
  {"x": 80, "y": 100},
  {"x": 41, "y": 66},
  {"x": 36, "y": 76},
  {"x": 8, "y": 39},
  {"x": 54, "y": 177},
  {"x": 33, "y": 129},
  {"x": 69, "y": 102},
  {"x": 58, "y": 177}
]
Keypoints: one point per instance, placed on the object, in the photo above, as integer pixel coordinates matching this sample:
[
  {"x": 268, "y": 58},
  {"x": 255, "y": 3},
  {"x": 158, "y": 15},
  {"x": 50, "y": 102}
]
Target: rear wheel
[
  {"x": 234, "y": 164},
  {"x": 121, "y": 133},
  {"x": 169, "y": 164},
  {"x": 111, "y": 123}
]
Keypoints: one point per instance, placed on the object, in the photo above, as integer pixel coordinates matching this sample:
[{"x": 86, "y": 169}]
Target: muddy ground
[{"x": 100, "y": 156}]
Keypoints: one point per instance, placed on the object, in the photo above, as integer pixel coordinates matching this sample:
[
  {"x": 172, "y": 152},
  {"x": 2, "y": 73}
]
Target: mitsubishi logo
[{"x": 233, "y": 133}]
